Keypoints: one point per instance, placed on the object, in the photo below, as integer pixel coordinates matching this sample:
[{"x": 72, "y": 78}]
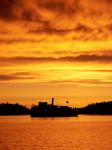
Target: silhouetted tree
[
  {"x": 97, "y": 108},
  {"x": 13, "y": 109}
]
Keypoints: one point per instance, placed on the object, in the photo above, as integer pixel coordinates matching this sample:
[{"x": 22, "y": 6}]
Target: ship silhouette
[{"x": 43, "y": 109}]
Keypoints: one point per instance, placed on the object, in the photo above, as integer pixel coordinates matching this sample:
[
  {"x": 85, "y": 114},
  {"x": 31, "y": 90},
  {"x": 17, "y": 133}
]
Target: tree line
[{"x": 95, "y": 108}]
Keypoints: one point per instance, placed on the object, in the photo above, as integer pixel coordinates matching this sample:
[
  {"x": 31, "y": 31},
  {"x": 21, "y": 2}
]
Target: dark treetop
[
  {"x": 13, "y": 109},
  {"x": 97, "y": 108}
]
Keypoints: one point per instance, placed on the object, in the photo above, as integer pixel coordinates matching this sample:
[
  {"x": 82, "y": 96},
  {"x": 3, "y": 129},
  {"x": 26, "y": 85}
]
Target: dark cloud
[
  {"x": 7, "y": 77},
  {"x": 11, "y": 10},
  {"x": 94, "y": 81},
  {"x": 30, "y": 15},
  {"x": 60, "y": 6},
  {"x": 51, "y": 31},
  {"x": 33, "y": 10},
  {"x": 22, "y": 74},
  {"x": 91, "y": 18},
  {"x": 92, "y": 58},
  {"x": 82, "y": 28},
  {"x": 89, "y": 58},
  {"x": 97, "y": 82},
  {"x": 82, "y": 70},
  {"x": 24, "y": 60},
  {"x": 101, "y": 71},
  {"x": 77, "y": 53},
  {"x": 6, "y": 9},
  {"x": 47, "y": 28},
  {"x": 14, "y": 41},
  {"x": 15, "y": 76}
]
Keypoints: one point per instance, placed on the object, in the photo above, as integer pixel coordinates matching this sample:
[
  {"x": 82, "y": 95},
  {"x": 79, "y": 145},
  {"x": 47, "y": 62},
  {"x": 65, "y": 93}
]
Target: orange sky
[{"x": 56, "y": 48}]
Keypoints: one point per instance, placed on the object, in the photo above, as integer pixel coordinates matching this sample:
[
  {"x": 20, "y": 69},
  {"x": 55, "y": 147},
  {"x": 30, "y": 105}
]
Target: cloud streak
[
  {"x": 95, "y": 82},
  {"x": 17, "y": 41},
  {"x": 16, "y": 76},
  {"x": 92, "y": 58}
]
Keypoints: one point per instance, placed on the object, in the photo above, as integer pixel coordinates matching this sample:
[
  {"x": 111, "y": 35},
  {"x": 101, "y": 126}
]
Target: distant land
[
  {"x": 102, "y": 108},
  {"x": 13, "y": 109}
]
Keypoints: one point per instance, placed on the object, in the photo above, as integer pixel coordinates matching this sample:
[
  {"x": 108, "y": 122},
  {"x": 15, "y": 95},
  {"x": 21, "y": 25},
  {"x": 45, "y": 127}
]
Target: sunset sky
[{"x": 56, "y": 48}]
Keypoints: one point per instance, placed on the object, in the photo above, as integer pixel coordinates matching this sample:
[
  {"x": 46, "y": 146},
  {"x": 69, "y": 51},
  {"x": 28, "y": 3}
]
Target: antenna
[{"x": 52, "y": 101}]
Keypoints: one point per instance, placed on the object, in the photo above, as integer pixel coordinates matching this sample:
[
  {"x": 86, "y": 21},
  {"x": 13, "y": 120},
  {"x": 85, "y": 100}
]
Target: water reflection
[
  {"x": 74, "y": 133},
  {"x": 80, "y": 118}
]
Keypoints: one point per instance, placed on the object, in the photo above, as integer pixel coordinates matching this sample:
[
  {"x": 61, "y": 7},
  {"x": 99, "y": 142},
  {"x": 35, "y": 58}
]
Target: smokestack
[{"x": 52, "y": 101}]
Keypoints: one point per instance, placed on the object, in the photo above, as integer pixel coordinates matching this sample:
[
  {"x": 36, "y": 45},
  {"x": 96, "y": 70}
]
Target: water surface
[{"x": 75, "y": 133}]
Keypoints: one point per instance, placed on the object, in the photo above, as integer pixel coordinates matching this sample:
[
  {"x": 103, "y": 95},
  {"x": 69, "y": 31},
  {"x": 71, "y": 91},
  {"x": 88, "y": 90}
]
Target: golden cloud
[
  {"x": 56, "y": 38},
  {"x": 82, "y": 19}
]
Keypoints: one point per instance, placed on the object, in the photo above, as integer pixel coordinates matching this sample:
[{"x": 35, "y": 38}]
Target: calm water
[{"x": 76, "y": 133}]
